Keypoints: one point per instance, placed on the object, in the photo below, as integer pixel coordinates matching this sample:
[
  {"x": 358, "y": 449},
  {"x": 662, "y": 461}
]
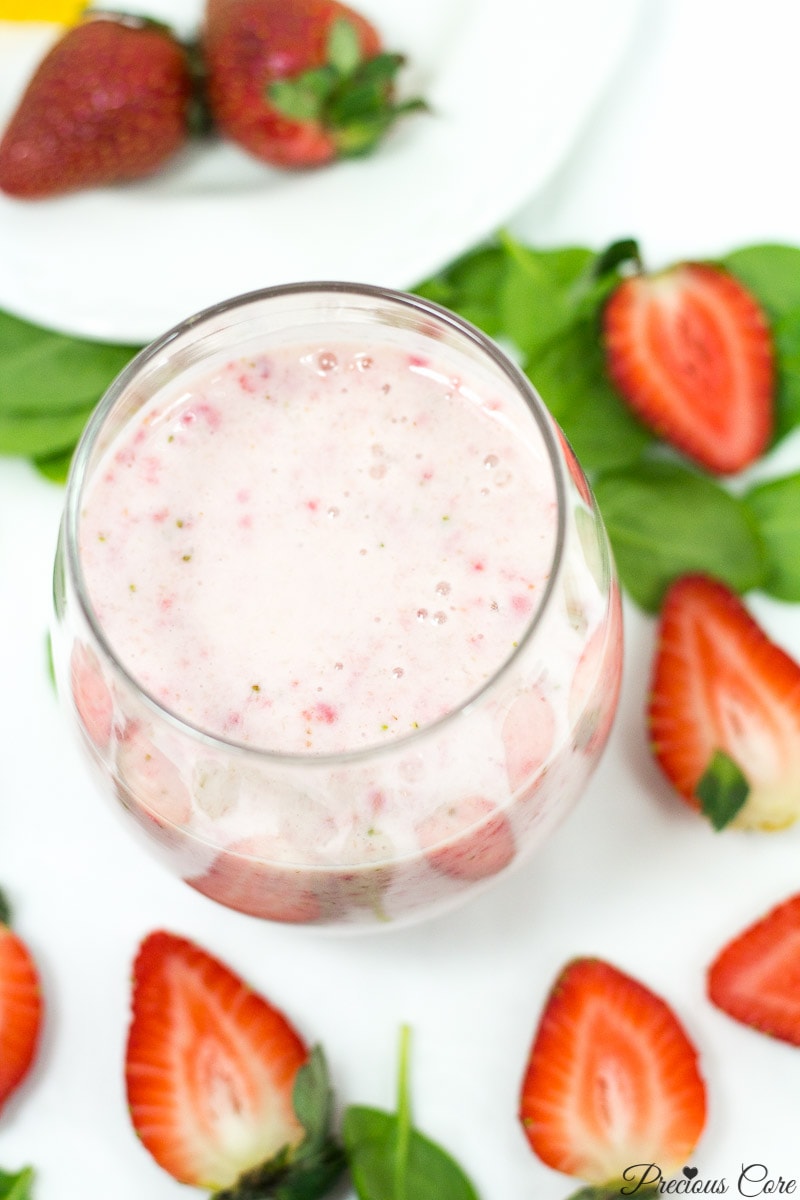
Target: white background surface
[{"x": 694, "y": 151}]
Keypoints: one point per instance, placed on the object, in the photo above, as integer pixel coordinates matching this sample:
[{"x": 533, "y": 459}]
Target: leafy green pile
[{"x": 664, "y": 516}]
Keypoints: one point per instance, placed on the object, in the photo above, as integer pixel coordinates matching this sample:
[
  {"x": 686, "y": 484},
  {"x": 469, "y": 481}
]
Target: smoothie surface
[{"x": 319, "y": 548}]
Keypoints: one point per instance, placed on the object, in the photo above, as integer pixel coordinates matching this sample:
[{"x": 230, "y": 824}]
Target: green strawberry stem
[
  {"x": 5, "y": 910},
  {"x": 722, "y": 789},
  {"x": 351, "y": 97}
]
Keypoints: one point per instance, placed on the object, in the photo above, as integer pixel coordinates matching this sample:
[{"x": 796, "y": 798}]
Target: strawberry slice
[
  {"x": 690, "y": 350},
  {"x": 21, "y": 1008},
  {"x": 724, "y": 709},
  {"x": 612, "y": 1079},
  {"x": 754, "y": 978},
  {"x": 216, "y": 1078}
]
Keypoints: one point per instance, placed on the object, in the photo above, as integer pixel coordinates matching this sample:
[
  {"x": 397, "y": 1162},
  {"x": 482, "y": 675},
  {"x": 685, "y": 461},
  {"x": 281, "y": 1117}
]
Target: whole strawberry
[
  {"x": 299, "y": 83},
  {"x": 108, "y": 103}
]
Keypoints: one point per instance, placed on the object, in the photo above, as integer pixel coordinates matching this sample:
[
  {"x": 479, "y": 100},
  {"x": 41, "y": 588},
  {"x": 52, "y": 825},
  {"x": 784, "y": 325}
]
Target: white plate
[{"x": 510, "y": 83}]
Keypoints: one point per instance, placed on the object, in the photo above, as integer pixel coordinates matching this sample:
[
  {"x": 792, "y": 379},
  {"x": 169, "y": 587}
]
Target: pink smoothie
[
  {"x": 319, "y": 549},
  {"x": 322, "y": 550}
]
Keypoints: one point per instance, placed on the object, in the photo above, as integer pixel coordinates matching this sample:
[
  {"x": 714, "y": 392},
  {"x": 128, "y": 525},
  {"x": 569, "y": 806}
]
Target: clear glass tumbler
[{"x": 396, "y": 829}]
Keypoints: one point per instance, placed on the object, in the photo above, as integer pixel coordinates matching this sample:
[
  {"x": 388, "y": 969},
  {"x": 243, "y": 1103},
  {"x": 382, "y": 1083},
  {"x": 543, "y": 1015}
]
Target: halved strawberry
[
  {"x": 612, "y": 1079},
  {"x": 690, "y": 350},
  {"x": 21, "y": 1008},
  {"x": 469, "y": 839},
  {"x": 251, "y": 877},
  {"x": 724, "y": 709},
  {"x": 215, "y": 1075},
  {"x": 755, "y": 977}
]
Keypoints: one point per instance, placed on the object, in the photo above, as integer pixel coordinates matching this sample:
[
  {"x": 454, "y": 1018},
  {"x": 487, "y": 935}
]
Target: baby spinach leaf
[
  {"x": 771, "y": 272},
  {"x": 391, "y": 1160},
  {"x": 569, "y": 374},
  {"x": 665, "y": 520},
  {"x": 46, "y": 373},
  {"x": 470, "y": 287},
  {"x": 43, "y": 434},
  {"x": 776, "y": 508},
  {"x": 16, "y": 1186},
  {"x": 786, "y": 336},
  {"x": 539, "y": 293}
]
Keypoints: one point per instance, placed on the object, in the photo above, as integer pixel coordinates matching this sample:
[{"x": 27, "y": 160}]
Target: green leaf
[
  {"x": 46, "y": 373},
  {"x": 569, "y": 374},
  {"x": 538, "y": 297},
  {"x": 776, "y": 508},
  {"x": 786, "y": 336},
  {"x": 42, "y": 435},
  {"x": 771, "y": 272},
  {"x": 664, "y": 521},
  {"x": 16, "y": 1186},
  {"x": 722, "y": 789},
  {"x": 371, "y": 1140},
  {"x": 55, "y": 467},
  {"x": 470, "y": 286},
  {"x": 309, "y": 1170},
  {"x": 390, "y": 1160}
]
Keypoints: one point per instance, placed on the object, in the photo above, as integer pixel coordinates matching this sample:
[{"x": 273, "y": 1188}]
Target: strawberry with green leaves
[
  {"x": 724, "y": 709},
  {"x": 612, "y": 1079},
  {"x": 690, "y": 350},
  {"x": 754, "y": 977},
  {"x": 299, "y": 83},
  {"x": 21, "y": 1007},
  {"x": 222, "y": 1090},
  {"x": 109, "y": 102}
]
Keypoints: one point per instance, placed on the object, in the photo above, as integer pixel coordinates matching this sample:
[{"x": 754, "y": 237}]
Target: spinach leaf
[
  {"x": 391, "y": 1160},
  {"x": 16, "y": 1186},
  {"x": 665, "y": 520},
  {"x": 776, "y": 508},
  {"x": 772, "y": 274}
]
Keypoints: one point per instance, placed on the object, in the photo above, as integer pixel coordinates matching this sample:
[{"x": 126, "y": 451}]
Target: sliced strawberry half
[
  {"x": 21, "y": 1008},
  {"x": 724, "y": 709},
  {"x": 212, "y": 1073},
  {"x": 612, "y": 1079},
  {"x": 690, "y": 350},
  {"x": 756, "y": 977}
]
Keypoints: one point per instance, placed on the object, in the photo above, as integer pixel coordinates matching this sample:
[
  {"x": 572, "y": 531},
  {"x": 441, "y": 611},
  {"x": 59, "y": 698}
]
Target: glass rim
[{"x": 421, "y": 306}]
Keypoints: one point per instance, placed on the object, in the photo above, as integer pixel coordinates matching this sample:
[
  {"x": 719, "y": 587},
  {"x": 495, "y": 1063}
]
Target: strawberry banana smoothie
[{"x": 359, "y": 644}]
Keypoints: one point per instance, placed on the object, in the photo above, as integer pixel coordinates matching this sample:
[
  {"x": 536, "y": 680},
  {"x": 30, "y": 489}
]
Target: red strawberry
[
  {"x": 754, "y": 978},
  {"x": 93, "y": 700},
  {"x": 213, "y": 1072},
  {"x": 298, "y": 84},
  {"x": 612, "y": 1079},
  {"x": 690, "y": 350},
  {"x": 250, "y": 877},
  {"x": 470, "y": 839},
  {"x": 109, "y": 102},
  {"x": 724, "y": 709},
  {"x": 21, "y": 1008}
]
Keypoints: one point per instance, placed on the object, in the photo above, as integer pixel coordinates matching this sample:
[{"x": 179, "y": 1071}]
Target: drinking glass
[{"x": 398, "y": 830}]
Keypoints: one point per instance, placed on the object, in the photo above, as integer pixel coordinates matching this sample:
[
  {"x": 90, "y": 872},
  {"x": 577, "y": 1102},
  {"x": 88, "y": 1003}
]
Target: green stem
[
  {"x": 5, "y": 910},
  {"x": 403, "y": 1117}
]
